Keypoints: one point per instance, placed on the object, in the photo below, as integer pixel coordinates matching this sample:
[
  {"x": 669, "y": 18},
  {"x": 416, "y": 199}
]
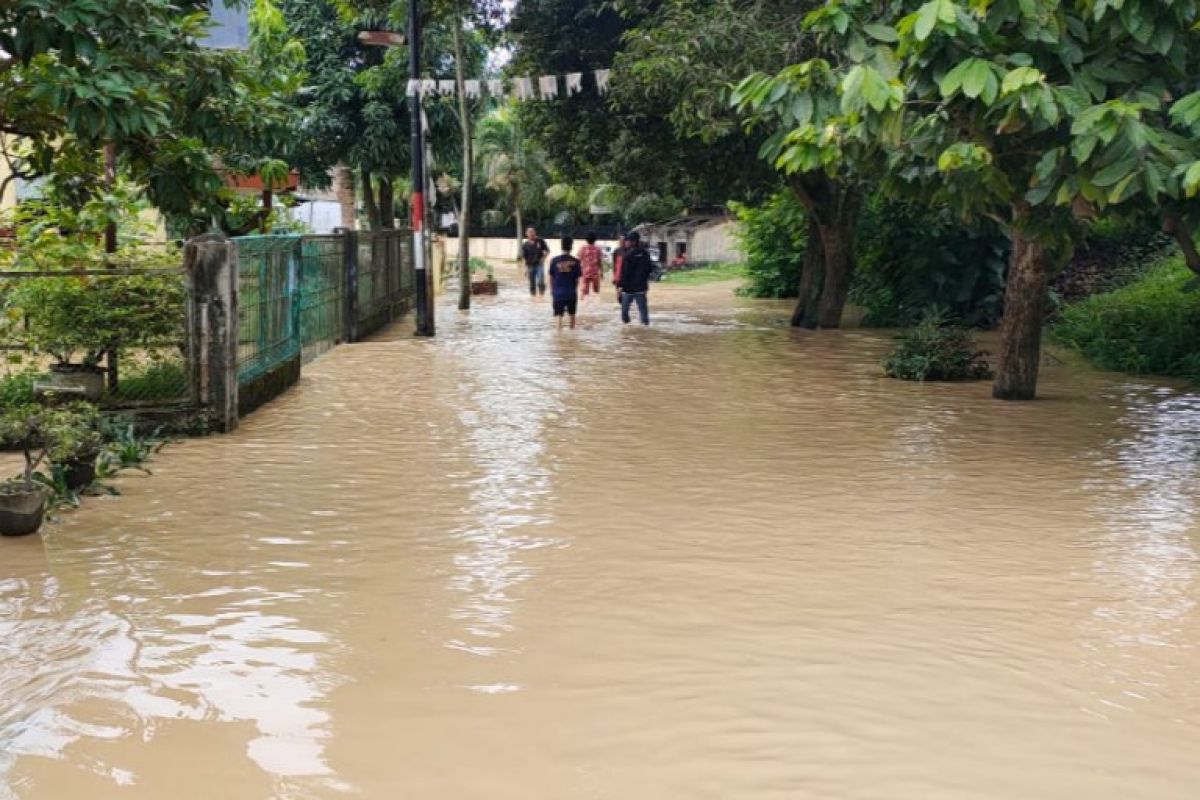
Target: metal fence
[
  {"x": 169, "y": 338},
  {"x": 268, "y": 307},
  {"x": 323, "y": 293},
  {"x": 121, "y": 331},
  {"x": 301, "y": 295},
  {"x": 385, "y": 282}
]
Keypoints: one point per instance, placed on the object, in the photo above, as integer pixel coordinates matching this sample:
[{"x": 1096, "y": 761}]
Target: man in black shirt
[
  {"x": 634, "y": 282},
  {"x": 565, "y": 272},
  {"x": 533, "y": 254}
]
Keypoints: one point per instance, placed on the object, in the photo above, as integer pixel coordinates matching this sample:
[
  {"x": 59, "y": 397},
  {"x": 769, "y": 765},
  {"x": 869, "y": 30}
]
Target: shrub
[
  {"x": 936, "y": 351},
  {"x": 773, "y": 238},
  {"x": 912, "y": 257},
  {"x": 1149, "y": 326},
  {"x": 16, "y": 388}
]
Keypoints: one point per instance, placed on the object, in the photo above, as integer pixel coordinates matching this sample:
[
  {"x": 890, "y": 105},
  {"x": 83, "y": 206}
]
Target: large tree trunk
[
  {"x": 1178, "y": 227},
  {"x": 833, "y": 208},
  {"x": 387, "y": 204},
  {"x": 810, "y": 278},
  {"x": 343, "y": 187},
  {"x": 837, "y": 240},
  {"x": 464, "y": 218},
  {"x": 1021, "y": 329},
  {"x": 369, "y": 204}
]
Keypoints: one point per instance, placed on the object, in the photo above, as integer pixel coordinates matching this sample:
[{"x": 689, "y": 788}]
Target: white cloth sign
[
  {"x": 602, "y": 80},
  {"x": 446, "y": 87},
  {"x": 471, "y": 89},
  {"x": 495, "y": 88},
  {"x": 428, "y": 87},
  {"x": 548, "y": 86},
  {"x": 414, "y": 87},
  {"x": 574, "y": 83},
  {"x": 524, "y": 88}
]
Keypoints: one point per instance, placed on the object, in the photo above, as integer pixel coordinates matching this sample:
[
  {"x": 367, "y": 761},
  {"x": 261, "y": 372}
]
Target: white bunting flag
[
  {"x": 471, "y": 89},
  {"x": 602, "y": 80},
  {"x": 428, "y": 87},
  {"x": 548, "y": 86},
  {"x": 574, "y": 83},
  {"x": 446, "y": 87},
  {"x": 496, "y": 88},
  {"x": 414, "y": 87},
  {"x": 524, "y": 88}
]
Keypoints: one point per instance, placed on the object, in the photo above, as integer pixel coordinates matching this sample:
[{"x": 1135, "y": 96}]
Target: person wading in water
[
  {"x": 565, "y": 272},
  {"x": 634, "y": 278},
  {"x": 591, "y": 258},
  {"x": 533, "y": 252}
]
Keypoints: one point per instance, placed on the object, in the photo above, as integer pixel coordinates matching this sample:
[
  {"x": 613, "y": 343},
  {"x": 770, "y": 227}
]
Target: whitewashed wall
[{"x": 715, "y": 243}]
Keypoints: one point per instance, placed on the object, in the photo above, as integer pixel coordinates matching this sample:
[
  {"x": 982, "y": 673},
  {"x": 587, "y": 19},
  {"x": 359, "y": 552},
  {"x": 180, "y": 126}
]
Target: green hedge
[{"x": 1151, "y": 326}]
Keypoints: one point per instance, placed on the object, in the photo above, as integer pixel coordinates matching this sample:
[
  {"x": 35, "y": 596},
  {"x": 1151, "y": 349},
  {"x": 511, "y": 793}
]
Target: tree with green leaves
[
  {"x": 134, "y": 79},
  {"x": 689, "y": 58},
  {"x": 1038, "y": 114},
  {"x": 514, "y": 164}
]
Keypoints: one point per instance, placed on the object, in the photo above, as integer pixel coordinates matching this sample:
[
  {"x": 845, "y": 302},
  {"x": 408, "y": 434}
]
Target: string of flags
[{"x": 542, "y": 87}]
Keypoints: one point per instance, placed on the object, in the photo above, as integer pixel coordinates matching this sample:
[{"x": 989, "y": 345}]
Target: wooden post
[{"x": 210, "y": 262}]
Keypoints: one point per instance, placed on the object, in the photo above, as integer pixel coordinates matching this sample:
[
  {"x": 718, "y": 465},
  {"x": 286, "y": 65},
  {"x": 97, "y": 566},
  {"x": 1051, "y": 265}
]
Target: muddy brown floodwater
[{"x": 710, "y": 559}]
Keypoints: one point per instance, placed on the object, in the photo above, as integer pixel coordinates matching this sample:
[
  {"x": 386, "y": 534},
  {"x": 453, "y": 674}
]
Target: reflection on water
[{"x": 713, "y": 558}]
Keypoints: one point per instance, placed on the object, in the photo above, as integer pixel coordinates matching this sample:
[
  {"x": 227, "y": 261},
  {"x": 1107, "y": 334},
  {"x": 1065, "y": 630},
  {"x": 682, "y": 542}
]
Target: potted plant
[
  {"x": 71, "y": 436},
  {"x": 483, "y": 278},
  {"x": 74, "y": 313},
  {"x": 23, "y": 499}
]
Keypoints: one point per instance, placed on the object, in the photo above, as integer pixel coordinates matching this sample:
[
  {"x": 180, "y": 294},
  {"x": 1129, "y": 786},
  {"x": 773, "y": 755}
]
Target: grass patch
[
  {"x": 1151, "y": 326},
  {"x": 710, "y": 274}
]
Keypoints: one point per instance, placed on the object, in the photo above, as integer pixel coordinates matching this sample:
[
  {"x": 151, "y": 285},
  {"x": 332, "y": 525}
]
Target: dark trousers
[
  {"x": 537, "y": 279},
  {"x": 627, "y": 299}
]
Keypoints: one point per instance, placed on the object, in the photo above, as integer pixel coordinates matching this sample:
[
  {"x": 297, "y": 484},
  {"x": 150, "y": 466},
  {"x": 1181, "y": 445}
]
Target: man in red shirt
[{"x": 591, "y": 258}]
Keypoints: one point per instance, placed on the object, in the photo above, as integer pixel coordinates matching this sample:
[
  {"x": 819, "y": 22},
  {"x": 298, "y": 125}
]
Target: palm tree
[{"x": 514, "y": 165}]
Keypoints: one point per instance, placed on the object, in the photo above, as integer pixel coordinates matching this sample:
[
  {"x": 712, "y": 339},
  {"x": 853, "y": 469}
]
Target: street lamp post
[{"x": 425, "y": 325}]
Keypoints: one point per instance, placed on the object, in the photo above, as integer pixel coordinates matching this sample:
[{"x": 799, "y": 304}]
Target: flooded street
[{"x": 714, "y": 558}]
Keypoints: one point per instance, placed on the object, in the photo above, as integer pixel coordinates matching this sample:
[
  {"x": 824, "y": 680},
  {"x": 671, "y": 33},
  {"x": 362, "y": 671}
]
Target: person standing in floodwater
[
  {"x": 565, "y": 272},
  {"x": 591, "y": 259},
  {"x": 634, "y": 280},
  {"x": 533, "y": 253}
]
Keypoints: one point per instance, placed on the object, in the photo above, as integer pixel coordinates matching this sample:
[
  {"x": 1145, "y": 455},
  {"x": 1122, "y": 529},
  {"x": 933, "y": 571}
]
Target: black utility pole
[
  {"x": 417, "y": 148},
  {"x": 424, "y": 299}
]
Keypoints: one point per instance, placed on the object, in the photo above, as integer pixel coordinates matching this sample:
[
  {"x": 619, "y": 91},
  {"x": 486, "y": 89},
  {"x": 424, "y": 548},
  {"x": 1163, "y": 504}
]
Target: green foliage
[
  {"x": 127, "y": 450},
  {"x": 77, "y": 75},
  {"x": 514, "y": 166},
  {"x": 773, "y": 237},
  {"x": 56, "y": 434},
  {"x": 633, "y": 136},
  {"x": 1151, "y": 326},
  {"x": 16, "y": 388},
  {"x": 912, "y": 257},
  {"x": 936, "y": 351},
  {"x": 708, "y": 274},
  {"x": 84, "y": 316},
  {"x": 482, "y": 268}
]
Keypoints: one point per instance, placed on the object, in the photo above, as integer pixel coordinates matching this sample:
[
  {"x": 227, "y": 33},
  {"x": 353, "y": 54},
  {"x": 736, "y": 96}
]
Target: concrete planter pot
[
  {"x": 74, "y": 380},
  {"x": 22, "y": 508},
  {"x": 78, "y": 473}
]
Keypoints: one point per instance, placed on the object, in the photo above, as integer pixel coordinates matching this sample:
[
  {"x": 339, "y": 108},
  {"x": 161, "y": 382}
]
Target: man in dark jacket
[{"x": 634, "y": 281}]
